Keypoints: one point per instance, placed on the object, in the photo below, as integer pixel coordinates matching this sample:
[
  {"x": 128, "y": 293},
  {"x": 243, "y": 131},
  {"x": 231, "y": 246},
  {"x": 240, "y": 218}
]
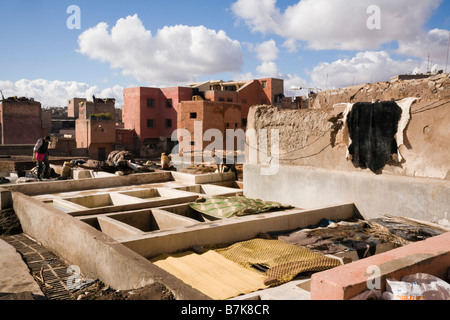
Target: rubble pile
[{"x": 435, "y": 86}]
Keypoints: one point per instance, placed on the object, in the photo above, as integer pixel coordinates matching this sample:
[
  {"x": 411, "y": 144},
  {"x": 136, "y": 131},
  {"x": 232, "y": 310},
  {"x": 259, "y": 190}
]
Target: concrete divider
[
  {"x": 98, "y": 255},
  {"x": 232, "y": 229},
  {"x": 373, "y": 195},
  {"x": 36, "y": 188}
]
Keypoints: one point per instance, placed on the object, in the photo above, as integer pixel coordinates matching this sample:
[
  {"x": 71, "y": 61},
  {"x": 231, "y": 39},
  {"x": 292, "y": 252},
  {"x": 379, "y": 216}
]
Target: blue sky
[{"x": 309, "y": 43}]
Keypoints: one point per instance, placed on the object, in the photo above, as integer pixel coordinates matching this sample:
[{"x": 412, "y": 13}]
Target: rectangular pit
[
  {"x": 138, "y": 222},
  {"x": 186, "y": 211}
]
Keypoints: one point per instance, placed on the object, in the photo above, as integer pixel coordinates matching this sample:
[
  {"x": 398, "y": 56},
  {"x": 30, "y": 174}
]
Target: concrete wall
[
  {"x": 96, "y": 254},
  {"x": 373, "y": 195}
]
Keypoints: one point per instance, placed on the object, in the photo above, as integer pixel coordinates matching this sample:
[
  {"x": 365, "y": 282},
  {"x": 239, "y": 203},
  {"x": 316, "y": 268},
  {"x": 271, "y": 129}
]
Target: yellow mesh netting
[{"x": 283, "y": 260}]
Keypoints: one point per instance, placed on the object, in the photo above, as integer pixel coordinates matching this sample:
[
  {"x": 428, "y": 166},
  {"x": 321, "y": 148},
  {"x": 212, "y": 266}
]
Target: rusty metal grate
[{"x": 48, "y": 270}]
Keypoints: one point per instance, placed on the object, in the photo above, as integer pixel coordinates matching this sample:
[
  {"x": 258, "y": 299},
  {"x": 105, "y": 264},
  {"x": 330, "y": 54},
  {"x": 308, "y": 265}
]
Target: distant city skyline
[{"x": 54, "y": 51}]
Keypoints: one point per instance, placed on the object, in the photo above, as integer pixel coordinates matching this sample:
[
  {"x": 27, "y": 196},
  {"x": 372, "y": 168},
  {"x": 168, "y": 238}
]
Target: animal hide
[
  {"x": 404, "y": 105},
  {"x": 372, "y": 129}
]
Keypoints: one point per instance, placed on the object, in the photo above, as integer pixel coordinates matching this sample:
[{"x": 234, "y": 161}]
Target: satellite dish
[{"x": 434, "y": 69}]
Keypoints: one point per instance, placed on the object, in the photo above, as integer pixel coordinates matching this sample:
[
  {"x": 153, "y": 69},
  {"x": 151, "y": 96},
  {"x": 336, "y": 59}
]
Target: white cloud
[
  {"x": 261, "y": 15},
  {"x": 57, "y": 93},
  {"x": 268, "y": 70},
  {"x": 174, "y": 55},
  {"x": 267, "y": 51},
  {"x": 337, "y": 24},
  {"x": 368, "y": 66},
  {"x": 433, "y": 43}
]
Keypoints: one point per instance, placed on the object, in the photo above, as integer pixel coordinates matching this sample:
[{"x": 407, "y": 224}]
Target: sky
[{"x": 55, "y": 50}]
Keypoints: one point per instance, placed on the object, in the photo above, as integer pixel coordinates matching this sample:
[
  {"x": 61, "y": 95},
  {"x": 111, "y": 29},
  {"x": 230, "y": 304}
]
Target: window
[
  {"x": 151, "y": 103},
  {"x": 235, "y": 125},
  {"x": 221, "y": 99},
  {"x": 228, "y": 125},
  {"x": 244, "y": 122},
  {"x": 168, "y": 123},
  {"x": 193, "y": 115},
  {"x": 169, "y": 103},
  {"x": 150, "y": 123},
  {"x": 192, "y": 143},
  {"x": 230, "y": 100},
  {"x": 264, "y": 84}
]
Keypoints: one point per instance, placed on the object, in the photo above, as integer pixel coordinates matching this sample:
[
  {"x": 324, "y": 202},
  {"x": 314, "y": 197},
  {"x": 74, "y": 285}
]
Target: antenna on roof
[{"x": 3, "y": 98}]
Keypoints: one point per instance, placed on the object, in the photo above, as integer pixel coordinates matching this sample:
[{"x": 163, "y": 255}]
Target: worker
[
  {"x": 165, "y": 162},
  {"x": 40, "y": 155}
]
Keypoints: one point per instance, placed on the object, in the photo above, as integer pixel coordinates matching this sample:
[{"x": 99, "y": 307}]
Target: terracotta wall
[
  {"x": 209, "y": 115},
  {"x": 17, "y": 116},
  {"x": 136, "y": 113}
]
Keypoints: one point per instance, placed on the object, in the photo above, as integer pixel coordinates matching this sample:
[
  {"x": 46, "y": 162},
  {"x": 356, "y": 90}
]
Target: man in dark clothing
[{"x": 40, "y": 154}]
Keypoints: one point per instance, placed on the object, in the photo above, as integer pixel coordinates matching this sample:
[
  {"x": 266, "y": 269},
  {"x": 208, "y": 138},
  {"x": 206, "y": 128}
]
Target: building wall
[
  {"x": 82, "y": 133},
  {"x": 89, "y": 108},
  {"x": 162, "y": 114},
  {"x": 100, "y": 151},
  {"x": 17, "y": 116},
  {"x": 210, "y": 115},
  {"x": 177, "y": 95},
  {"x": 46, "y": 118},
  {"x": 126, "y": 139},
  {"x": 222, "y": 96},
  {"x": 254, "y": 94},
  {"x": 94, "y": 134},
  {"x": 73, "y": 107}
]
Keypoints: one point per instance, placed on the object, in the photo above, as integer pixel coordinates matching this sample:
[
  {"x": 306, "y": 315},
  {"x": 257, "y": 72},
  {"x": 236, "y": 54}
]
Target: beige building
[{"x": 95, "y": 128}]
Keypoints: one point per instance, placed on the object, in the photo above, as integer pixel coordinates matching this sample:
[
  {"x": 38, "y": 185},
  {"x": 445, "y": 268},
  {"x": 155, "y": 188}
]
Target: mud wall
[
  {"x": 307, "y": 166},
  {"x": 314, "y": 137}
]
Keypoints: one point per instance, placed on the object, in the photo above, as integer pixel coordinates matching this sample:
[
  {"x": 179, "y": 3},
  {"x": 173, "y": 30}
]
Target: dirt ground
[
  {"x": 9, "y": 223},
  {"x": 98, "y": 291}
]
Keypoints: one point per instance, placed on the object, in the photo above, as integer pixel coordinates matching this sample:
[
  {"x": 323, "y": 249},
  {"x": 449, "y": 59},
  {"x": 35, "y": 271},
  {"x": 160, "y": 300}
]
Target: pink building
[
  {"x": 247, "y": 93},
  {"x": 152, "y": 113}
]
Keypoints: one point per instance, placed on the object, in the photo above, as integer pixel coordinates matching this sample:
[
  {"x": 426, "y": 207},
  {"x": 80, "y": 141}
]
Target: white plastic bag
[{"x": 419, "y": 286}]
